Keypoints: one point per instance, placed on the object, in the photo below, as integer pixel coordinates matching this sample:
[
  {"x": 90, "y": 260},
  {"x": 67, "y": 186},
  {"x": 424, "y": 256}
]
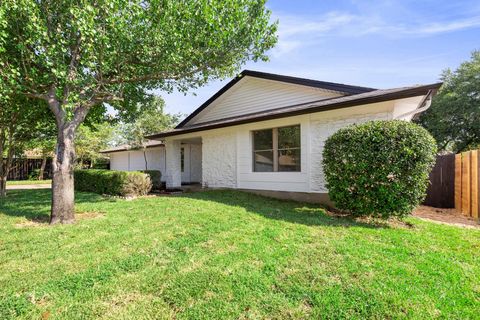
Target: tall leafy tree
[
  {"x": 454, "y": 117},
  {"x": 152, "y": 119},
  {"x": 79, "y": 55},
  {"x": 90, "y": 140}
]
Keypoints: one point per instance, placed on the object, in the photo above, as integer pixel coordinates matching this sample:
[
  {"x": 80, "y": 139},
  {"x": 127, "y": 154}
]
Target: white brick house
[{"x": 265, "y": 132}]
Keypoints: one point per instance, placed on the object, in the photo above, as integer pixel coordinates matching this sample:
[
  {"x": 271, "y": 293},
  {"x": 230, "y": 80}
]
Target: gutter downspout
[{"x": 422, "y": 106}]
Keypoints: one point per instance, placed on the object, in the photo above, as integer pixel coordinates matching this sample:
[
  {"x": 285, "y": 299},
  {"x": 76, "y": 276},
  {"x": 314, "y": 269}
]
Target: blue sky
[{"x": 371, "y": 43}]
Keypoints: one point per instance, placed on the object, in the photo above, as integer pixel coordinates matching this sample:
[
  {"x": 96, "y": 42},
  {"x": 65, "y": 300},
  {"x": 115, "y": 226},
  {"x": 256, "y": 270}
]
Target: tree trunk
[
  {"x": 3, "y": 187},
  {"x": 42, "y": 167},
  {"x": 145, "y": 157},
  {"x": 63, "y": 198}
]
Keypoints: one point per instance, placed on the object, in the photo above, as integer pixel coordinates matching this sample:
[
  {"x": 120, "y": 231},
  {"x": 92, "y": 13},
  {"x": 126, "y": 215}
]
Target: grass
[
  {"x": 228, "y": 255},
  {"x": 27, "y": 182}
]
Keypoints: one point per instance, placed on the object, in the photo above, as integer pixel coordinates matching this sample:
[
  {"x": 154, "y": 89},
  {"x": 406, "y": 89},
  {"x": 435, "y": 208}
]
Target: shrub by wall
[
  {"x": 118, "y": 183},
  {"x": 155, "y": 177},
  {"x": 379, "y": 168}
]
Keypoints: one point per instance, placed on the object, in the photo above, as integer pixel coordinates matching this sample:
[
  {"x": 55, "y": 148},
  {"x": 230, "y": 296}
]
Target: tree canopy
[
  {"x": 79, "y": 55},
  {"x": 150, "y": 120},
  {"x": 454, "y": 117}
]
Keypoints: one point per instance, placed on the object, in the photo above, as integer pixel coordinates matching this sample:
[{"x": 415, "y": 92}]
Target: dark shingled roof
[
  {"x": 314, "y": 106},
  {"x": 339, "y": 87},
  {"x": 126, "y": 147},
  {"x": 310, "y": 107}
]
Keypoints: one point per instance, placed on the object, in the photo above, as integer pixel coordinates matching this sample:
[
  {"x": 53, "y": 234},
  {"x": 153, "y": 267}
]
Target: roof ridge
[
  {"x": 333, "y": 86},
  {"x": 375, "y": 96},
  {"x": 285, "y": 78}
]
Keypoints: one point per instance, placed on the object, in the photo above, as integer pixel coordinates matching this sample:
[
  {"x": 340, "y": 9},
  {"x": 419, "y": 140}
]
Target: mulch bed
[{"x": 447, "y": 216}]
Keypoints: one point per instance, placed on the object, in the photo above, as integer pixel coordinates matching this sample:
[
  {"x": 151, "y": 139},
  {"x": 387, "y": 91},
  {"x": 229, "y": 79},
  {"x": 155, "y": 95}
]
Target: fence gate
[
  {"x": 467, "y": 180},
  {"x": 440, "y": 192}
]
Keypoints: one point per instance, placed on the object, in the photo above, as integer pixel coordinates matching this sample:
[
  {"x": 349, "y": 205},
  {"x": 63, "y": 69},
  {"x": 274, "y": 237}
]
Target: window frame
[{"x": 275, "y": 149}]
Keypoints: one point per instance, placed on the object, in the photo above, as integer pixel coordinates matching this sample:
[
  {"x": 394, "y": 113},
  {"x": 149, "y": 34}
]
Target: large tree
[
  {"x": 76, "y": 55},
  {"x": 90, "y": 140},
  {"x": 454, "y": 117},
  {"x": 150, "y": 120}
]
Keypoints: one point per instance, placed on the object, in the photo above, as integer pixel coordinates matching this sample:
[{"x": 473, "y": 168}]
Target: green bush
[
  {"x": 118, "y": 183},
  {"x": 379, "y": 168},
  {"x": 156, "y": 177},
  {"x": 34, "y": 174}
]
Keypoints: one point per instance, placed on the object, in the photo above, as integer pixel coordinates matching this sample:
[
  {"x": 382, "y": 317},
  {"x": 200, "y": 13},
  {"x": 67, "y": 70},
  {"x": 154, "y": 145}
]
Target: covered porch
[{"x": 183, "y": 161}]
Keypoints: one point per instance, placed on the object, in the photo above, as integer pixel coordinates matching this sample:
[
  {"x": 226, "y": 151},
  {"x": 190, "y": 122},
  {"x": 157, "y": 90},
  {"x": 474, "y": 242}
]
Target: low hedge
[
  {"x": 117, "y": 183},
  {"x": 155, "y": 177},
  {"x": 379, "y": 168}
]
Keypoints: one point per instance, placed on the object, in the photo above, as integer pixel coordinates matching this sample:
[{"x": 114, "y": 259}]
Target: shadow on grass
[
  {"x": 285, "y": 210},
  {"x": 34, "y": 204}
]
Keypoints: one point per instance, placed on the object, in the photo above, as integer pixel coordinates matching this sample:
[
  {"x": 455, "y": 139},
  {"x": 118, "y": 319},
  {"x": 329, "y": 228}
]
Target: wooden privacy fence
[
  {"x": 467, "y": 180},
  {"x": 441, "y": 190},
  {"x": 22, "y": 168}
]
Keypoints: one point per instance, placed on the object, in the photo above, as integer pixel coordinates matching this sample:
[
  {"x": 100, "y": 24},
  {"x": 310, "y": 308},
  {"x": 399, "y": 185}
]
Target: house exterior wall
[
  {"x": 227, "y": 157},
  {"x": 134, "y": 160},
  {"x": 119, "y": 161},
  {"x": 320, "y": 130},
  {"x": 251, "y": 95},
  {"x": 219, "y": 158}
]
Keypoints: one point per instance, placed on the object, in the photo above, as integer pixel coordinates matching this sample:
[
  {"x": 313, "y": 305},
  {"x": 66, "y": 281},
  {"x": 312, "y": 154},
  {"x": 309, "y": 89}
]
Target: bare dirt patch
[
  {"x": 446, "y": 216},
  {"x": 43, "y": 221}
]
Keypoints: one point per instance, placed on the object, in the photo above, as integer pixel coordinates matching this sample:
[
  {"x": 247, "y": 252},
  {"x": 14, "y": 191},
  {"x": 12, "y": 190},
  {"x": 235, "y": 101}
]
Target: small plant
[
  {"x": 379, "y": 168},
  {"x": 34, "y": 174},
  {"x": 118, "y": 183},
  {"x": 155, "y": 177}
]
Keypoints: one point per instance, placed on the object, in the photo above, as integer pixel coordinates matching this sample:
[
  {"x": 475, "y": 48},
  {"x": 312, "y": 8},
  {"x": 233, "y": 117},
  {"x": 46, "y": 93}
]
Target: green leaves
[
  {"x": 379, "y": 168},
  {"x": 96, "y": 49},
  {"x": 453, "y": 118}
]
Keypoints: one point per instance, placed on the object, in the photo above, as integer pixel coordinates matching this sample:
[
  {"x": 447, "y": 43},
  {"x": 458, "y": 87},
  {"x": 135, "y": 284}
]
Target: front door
[{"x": 185, "y": 163}]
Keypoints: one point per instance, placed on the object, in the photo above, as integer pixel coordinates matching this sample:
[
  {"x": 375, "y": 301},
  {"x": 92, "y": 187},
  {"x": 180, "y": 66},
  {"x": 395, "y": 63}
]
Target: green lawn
[
  {"x": 28, "y": 182},
  {"x": 226, "y": 254}
]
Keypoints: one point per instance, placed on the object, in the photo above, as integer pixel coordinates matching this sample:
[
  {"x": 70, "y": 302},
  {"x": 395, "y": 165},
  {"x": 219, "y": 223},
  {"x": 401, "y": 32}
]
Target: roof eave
[
  {"x": 338, "y": 87},
  {"x": 407, "y": 93}
]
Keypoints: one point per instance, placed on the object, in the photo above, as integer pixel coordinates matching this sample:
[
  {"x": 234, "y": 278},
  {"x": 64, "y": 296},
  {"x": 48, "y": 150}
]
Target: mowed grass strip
[
  {"x": 231, "y": 255},
  {"x": 27, "y": 182}
]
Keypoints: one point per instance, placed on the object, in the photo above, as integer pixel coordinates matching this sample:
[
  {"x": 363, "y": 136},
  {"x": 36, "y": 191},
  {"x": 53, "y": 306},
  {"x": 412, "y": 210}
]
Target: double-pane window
[{"x": 276, "y": 149}]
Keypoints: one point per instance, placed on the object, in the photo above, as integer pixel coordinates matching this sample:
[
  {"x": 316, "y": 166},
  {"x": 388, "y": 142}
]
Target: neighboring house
[
  {"x": 266, "y": 132},
  {"x": 126, "y": 158}
]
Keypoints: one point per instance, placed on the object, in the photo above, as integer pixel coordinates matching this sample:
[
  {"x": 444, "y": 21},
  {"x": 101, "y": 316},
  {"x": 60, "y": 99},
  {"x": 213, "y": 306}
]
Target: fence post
[
  {"x": 474, "y": 192},
  {"x": 466, "y": 184},
  {"x": 458, "y": 182}
]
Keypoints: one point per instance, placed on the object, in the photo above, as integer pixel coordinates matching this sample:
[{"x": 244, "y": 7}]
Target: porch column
[{"x": 173, "y": 176}]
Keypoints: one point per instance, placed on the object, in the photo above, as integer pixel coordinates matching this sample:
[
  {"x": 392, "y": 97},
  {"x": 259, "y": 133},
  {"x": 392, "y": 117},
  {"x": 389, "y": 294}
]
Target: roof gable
[{"x": 254, "y": 91}]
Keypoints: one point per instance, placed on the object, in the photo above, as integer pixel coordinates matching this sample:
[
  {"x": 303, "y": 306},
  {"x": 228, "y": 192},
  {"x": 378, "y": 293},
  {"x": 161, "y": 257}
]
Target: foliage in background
[
  {"x": 379, "y": 168},
  {"x": 117, "y": 183},
  {"x": 150, "y": 119},
  {"x": 21, "y": 121},
  {"x": 90, "y": 140},
  {"x": 454, "y": 117}
]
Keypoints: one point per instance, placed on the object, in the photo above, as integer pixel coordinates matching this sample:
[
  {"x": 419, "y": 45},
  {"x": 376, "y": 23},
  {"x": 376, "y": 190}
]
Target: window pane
[
  {"x": 289, "y": 137},
  {"x": 263, "y": 161},
  {"x": 262, "y": 140},
  {"x": 289, "y": 160}
]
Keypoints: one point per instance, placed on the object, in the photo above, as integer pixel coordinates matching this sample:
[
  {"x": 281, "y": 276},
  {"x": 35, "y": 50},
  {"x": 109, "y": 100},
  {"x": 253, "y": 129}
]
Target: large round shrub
[{"x": 379, "y": 168}]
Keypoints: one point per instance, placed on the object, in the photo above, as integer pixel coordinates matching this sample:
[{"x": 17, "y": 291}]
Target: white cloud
[
  {"x": 296, "y": 32},
  {"x": 435, "y": 28}
]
